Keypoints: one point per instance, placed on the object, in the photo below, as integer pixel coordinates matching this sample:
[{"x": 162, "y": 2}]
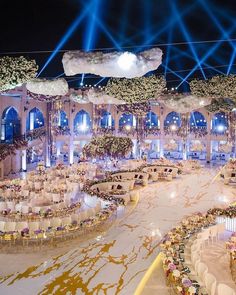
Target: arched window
[
  {"x": 62, "y": 119},
  {"x": 197, "y": 120},
  {"x": 172, "y": 119},
  {"x": 151, "y": 120},
  {"x": 106, "y": 120},
  {"x": 127, "y": 120},
  {"x": 34, "y": 120},
  {"x": 11, "y": 126},
  {"x": 82, "y": 122},
  {"x": 220, "y": 122}
]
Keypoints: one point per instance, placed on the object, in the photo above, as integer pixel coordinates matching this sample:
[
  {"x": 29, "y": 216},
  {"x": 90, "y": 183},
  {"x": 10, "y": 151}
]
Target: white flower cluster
[
  {"x": 15, "y": 71},
  {"x": 184, "y": 103},
  {"x": 112, "y": 64},
  {"x": 136, "y": 90},
  {"x": 48, "y": 87}
]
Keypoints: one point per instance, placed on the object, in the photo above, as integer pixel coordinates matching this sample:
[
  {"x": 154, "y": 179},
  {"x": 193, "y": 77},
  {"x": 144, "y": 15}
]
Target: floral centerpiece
[
  {"x": 107, "y": 145},
  {"x": 15, "y": 71}
]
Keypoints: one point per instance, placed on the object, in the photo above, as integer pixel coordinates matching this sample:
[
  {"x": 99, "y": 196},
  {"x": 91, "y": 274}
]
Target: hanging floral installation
[
  {"x": 10, "y": 149},
  {"x": 136, "y": 90},
  {"x": 47, "y": 90},
  {"x": 221, "y": 104},
  {"x": 136, "y": 109},
  {"x": 216, "y": 87},
  {"x": 222, "y": 90},
  {"x": 15, "y": 71},
  {"x": 183, "y": 102},
  {"x": 108, "y": 146},
  {"x": 112, "y": 64},
  {"x": 98, "y": 96}
]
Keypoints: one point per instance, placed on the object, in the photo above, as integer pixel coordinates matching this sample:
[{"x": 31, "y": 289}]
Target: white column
[
  {"x": 31, "y": 119},
  {"x": 208, "y": 139},
  {"x": 23, "y": 132},
  {"x": 71, "y": 139},
  {"x": 23, "y": 160},
  {"x": 161, "y": 144}
]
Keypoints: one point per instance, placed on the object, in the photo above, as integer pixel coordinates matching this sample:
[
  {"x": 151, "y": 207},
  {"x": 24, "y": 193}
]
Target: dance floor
[{"x": 115, "y": 262}]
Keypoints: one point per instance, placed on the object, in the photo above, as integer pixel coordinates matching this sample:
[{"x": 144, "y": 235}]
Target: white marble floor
[{"x": 115, "y": 263}]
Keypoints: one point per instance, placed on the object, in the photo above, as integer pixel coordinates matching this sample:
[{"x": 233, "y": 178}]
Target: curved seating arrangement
[
  {"x": 124, "y": 189},
  {"x": 183, "y": 247},
  {"x": 138, "y": 177},
  {"x": 157, "y": 172},
  {"x": 229, "y": 176}
]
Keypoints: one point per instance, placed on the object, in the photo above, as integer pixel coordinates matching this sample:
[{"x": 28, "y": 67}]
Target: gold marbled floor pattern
[{"x": 116, "y": 263}]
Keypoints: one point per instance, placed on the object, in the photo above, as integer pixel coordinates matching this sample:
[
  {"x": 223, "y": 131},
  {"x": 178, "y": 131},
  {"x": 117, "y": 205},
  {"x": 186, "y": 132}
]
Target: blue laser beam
[{"x": 66, "y": 37}]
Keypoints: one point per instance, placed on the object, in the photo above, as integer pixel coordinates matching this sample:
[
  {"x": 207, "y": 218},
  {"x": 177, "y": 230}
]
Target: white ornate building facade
[{"x": 73, "y": 124}]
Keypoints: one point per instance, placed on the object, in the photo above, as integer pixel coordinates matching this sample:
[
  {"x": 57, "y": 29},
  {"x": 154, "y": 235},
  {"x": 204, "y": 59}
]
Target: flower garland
[
  {"x": 135, "y": 90},
  {"x": 173, "y": 247},
  {"x": 227, "y": 212},
  {"x": 9, "y": 149},
  {"x": 35, "y": 133},
  {"x": 15, "y": 71},
  {"x": 107, "y": 145},
  {"x": 104, "y": 196},
  {"x": 43, "y": 98}
]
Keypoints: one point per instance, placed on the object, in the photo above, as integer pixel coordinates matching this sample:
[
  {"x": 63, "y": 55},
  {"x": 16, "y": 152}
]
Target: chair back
[
  {"x": 210, "y": 282},
  {"x": 223, "y": 289}
]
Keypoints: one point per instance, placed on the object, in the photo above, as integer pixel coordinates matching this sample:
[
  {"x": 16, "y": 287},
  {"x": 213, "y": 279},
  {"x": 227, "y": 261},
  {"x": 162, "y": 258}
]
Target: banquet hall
[{"x": 118, "y": 147}]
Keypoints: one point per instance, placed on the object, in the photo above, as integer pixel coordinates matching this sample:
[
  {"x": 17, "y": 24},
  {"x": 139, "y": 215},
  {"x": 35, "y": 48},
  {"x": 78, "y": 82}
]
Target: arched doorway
[
  {"x": 34, "y": 120},
  {"x": 106, "y": 120},
  {"x": 11, "y": 126},
  {"x": 172, "y": 121},
  {"x": 82, "y": 122},
  {"x": 151, "y": 120}
]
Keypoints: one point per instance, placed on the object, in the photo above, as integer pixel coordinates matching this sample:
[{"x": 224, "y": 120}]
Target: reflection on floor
[{"x": 115, "y": 262}]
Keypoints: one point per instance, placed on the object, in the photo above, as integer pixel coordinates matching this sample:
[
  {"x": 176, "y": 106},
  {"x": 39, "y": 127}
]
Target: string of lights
[{"x": 123, "y": 47}]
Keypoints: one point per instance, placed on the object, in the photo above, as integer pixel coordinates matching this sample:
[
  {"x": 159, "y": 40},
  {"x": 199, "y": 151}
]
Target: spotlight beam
[
  {"x": 231, "y": 61},
  {"x": 104, "y": 29},
  {"x": 66, "y": 37},
  {"x": 211, "y": 51},
  {"x": 91, "y": 25},
  {"x": 184, "y": 53},
  {"x": 187, "y": 37}
]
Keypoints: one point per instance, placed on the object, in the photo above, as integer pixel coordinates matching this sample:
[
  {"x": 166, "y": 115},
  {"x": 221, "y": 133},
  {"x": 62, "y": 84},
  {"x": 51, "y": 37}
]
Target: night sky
[{"x": 125, "y": 25}]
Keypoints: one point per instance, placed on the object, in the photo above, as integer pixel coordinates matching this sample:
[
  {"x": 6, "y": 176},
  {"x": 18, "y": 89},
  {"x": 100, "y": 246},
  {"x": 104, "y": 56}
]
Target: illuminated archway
[
  {"x": 172, "y": 119},
  {"x": 220, "y": 122},
  {"x": 151, "y": 120},
  {"x": 82, "y": 122},
  {"x": 106, "y": 120},
  {"x": 11, "y": 126},
  {"x": 34, "y": 120}
]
